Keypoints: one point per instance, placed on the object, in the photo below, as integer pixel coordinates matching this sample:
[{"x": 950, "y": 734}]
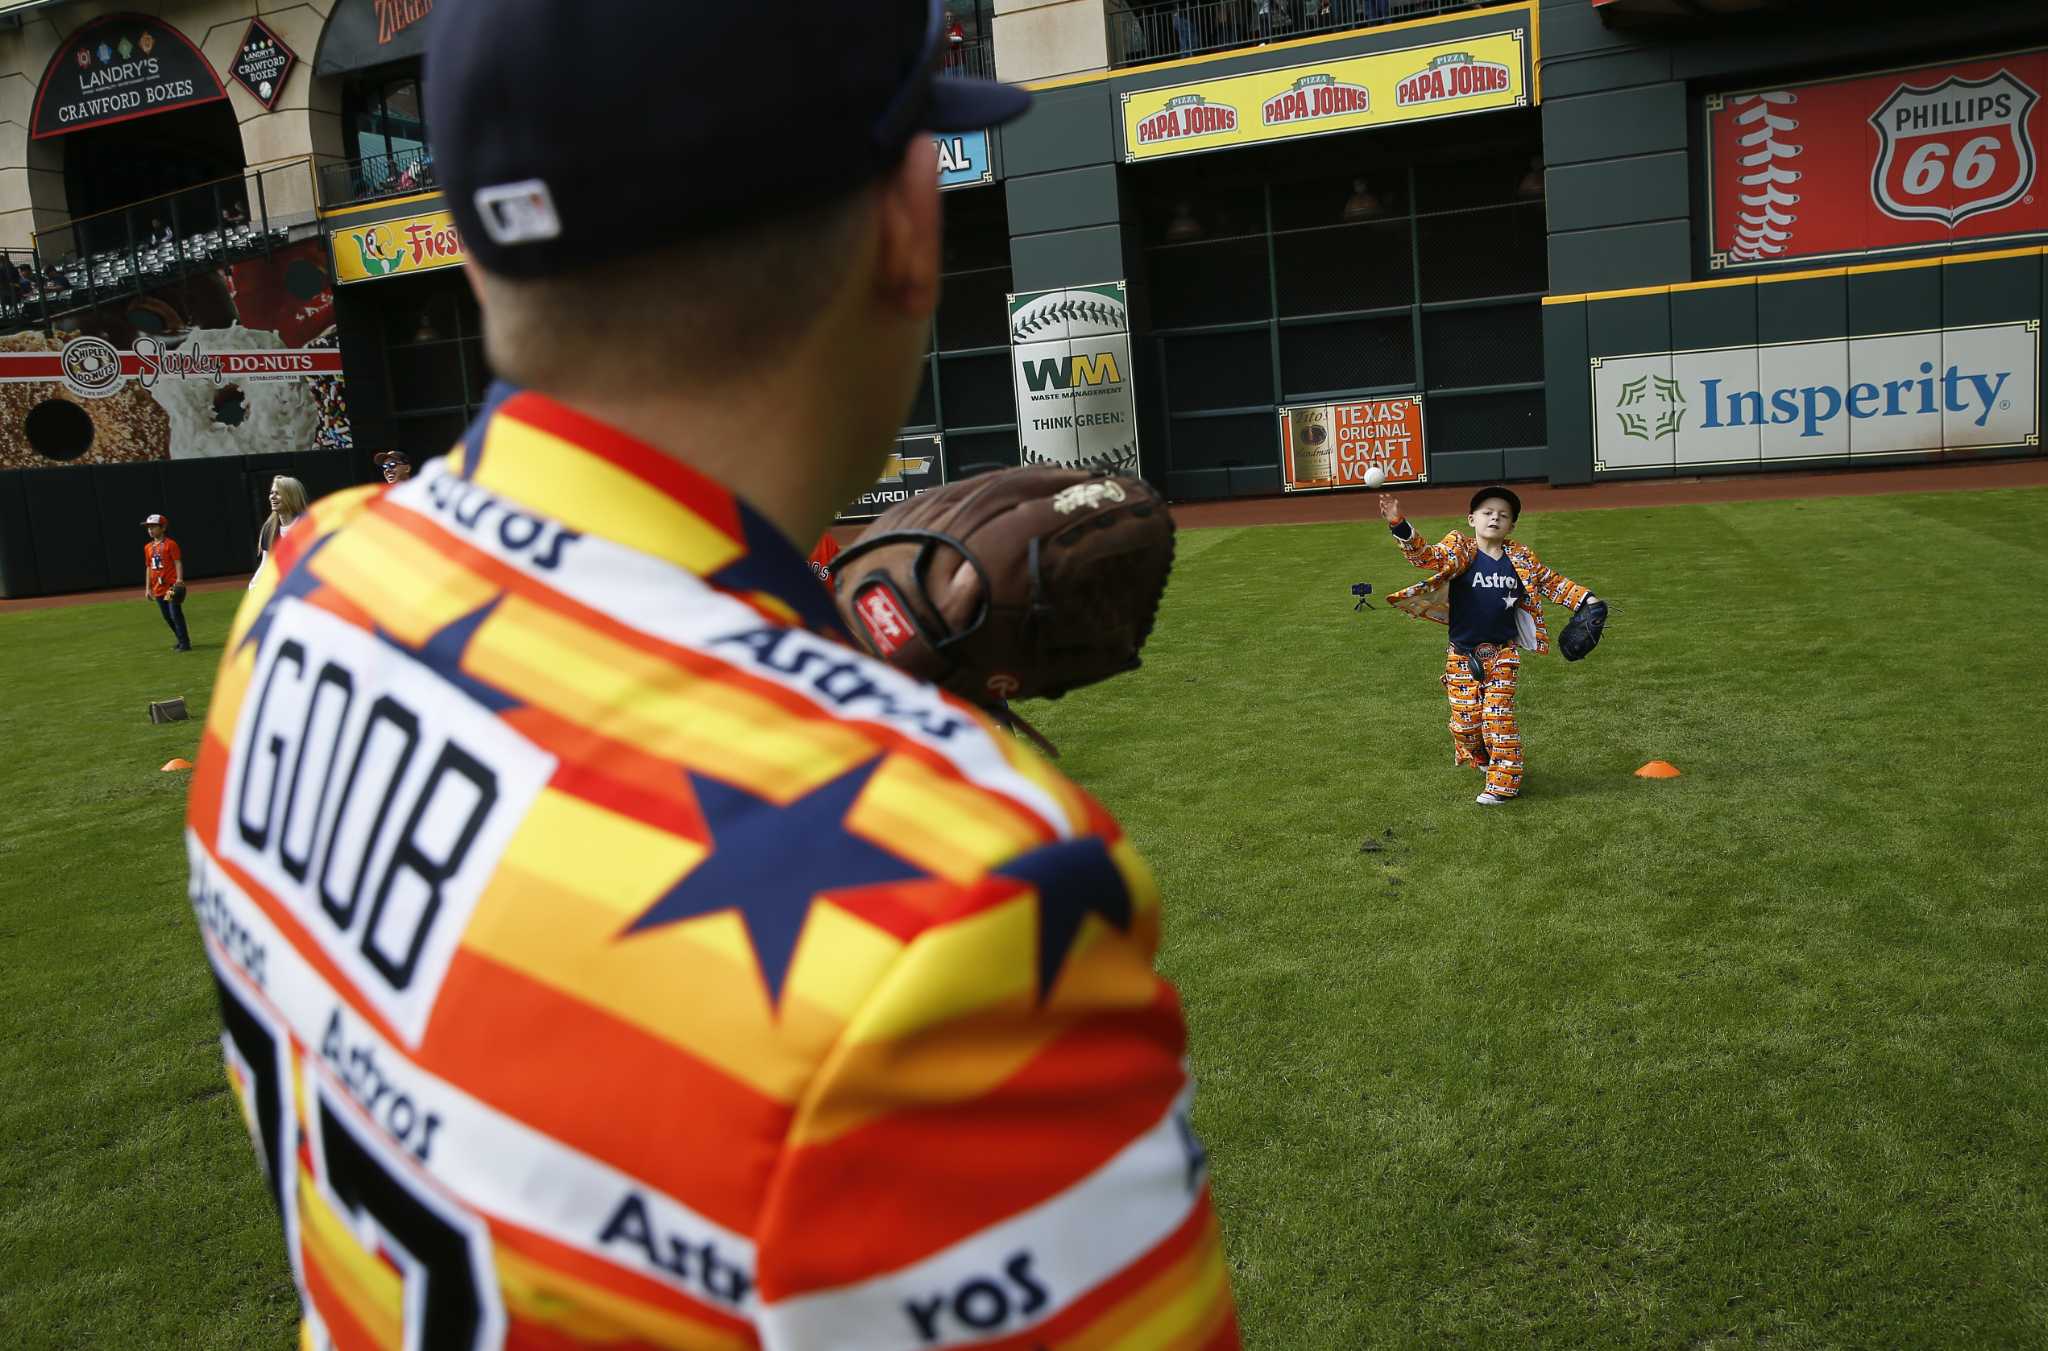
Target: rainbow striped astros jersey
[{"x": 609, "y": 954}]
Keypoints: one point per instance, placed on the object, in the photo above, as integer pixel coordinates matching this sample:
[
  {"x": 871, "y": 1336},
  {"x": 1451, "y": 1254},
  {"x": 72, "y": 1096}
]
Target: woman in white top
[{"x": 287, "y": 504}]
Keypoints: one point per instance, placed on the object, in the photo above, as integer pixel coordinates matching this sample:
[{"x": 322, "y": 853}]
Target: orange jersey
[
  {"x": 160, "y": 565},
  {"x": 612, "y": 955}
]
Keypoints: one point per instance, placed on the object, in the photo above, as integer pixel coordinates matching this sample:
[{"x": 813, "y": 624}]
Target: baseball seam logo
[
  {"x": 1760, "y": 232},
  {"x": 1038, "y": 317},
  {"x": 1114, "y": 460}
]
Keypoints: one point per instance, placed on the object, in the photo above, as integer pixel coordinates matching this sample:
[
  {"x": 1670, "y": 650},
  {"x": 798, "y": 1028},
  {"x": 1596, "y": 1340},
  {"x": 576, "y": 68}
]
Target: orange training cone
[
  {"x": 176, "y": 765},
  {"x": 1658, "y": 769}
]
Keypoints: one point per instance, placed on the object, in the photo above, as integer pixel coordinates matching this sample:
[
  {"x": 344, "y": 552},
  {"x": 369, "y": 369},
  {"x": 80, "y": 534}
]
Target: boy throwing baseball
[{"x": 1490, "y": 591}]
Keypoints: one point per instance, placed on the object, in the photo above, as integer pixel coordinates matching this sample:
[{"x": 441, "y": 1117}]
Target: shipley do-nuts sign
[{"x": 1961, "y": 389}]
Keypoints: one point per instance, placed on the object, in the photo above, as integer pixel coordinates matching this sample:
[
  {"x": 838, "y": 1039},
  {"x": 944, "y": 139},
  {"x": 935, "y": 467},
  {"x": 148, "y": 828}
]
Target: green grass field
[{"x": 1750, "y": 1057}]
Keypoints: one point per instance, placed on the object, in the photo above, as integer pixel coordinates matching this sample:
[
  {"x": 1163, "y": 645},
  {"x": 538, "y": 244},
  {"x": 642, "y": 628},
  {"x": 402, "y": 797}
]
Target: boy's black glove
[
  {"x": 1582, "y": 634},
  {"x": 178, "y": 593}
]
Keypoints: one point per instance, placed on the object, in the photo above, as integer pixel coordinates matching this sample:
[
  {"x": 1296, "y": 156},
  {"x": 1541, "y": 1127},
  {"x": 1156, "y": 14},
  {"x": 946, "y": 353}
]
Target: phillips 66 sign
[{"x": 1844, "y": 168}]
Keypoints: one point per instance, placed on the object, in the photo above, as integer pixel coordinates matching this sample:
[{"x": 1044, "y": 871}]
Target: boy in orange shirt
[{"x": 164, "y": 578}]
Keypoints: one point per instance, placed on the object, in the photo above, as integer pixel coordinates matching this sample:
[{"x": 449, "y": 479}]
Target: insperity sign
[{"x": 1946, "y": 389}]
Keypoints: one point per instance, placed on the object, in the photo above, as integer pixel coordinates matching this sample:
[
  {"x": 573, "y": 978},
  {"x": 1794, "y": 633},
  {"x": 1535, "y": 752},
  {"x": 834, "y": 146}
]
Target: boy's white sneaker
[{"x": 1490, "y": 800}]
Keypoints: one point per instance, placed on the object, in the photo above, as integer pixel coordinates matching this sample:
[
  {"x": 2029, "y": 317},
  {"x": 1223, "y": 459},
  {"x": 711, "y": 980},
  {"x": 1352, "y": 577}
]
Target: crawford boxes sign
[
  {"x": 1443, "y": 79},
  {"x": 1331, "y": 445},
  {"x": 118, "y": 68},
  {"x": 1954, "y": 389},
  {"x": 263, "y": 63},
  {"x": 1906, "y": 159},
  {"x": 1071, "y": 351}
]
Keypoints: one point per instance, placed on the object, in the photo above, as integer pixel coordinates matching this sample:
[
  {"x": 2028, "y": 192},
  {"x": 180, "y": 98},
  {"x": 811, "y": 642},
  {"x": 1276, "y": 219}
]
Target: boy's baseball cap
[
  {"x": 156, "y": 520},
  {"x": 1514, "y": 502},
  {"x": 567, "y": 135}
]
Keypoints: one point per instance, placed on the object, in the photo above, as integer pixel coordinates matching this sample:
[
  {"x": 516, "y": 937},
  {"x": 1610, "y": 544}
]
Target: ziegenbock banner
[
  {"x": 916, "y": 466},
  {"x": 1331, "y": 445},
  {"x": 1903, "y": 160},
  {"x": 1953, "y": 389},
  {"x": 1071, "y": 350}
]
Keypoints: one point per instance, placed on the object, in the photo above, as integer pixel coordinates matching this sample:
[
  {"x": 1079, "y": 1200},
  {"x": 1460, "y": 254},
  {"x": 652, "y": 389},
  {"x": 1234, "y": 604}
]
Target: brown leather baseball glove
[{"x": 1016, "y": 584}]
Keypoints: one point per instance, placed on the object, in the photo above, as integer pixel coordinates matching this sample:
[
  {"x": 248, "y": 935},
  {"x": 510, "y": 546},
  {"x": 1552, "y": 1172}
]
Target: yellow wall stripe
[{"x": 1946, "y": 260}]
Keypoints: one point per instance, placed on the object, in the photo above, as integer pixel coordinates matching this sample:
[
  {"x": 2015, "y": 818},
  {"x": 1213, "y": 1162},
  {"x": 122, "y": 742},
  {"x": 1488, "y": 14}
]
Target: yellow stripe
[
  {"x": 643, "y": 700},
  {"x": 618, "y": 862},
  {"x": 594, "y": 496},
  {"x": 945, "y": 826},
  {"x": 1191, "y": 1273},
  {"x": 1946, "y": 260},
  {"x": 382, "y": 204},
  {"x": 373, "y": 1292},
  {"x": 414, "y": 591},
  {"x": 590, "y": 1314},
  {"x": 1292, "y": 44},
  {"x": 978, "y": 978},
  {"x": 663, "y": 979},
  {"x": 1188, "y": 1317}
]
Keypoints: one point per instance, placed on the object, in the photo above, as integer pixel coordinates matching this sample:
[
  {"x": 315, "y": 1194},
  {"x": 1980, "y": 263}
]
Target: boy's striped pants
[{"x": 1483, "y": 730}]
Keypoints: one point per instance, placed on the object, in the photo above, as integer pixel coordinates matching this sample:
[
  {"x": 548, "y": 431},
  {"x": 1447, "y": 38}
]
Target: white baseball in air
[{"x": 1375, "y": 476}]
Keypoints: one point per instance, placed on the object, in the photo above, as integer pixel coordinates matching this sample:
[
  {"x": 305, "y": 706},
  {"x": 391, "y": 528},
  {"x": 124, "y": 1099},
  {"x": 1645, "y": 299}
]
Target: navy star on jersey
[
  {"x": 1074, "y": 879},
  {"x": 771, "y": 862}
]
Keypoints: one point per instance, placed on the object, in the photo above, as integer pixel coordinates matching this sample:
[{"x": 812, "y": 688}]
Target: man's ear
[{"x": 908, "y": 231}]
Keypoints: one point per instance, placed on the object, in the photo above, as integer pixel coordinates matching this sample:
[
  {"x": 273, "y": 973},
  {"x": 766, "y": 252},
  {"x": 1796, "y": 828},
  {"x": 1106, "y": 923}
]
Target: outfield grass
[{"x": 1750, "y": 1057}]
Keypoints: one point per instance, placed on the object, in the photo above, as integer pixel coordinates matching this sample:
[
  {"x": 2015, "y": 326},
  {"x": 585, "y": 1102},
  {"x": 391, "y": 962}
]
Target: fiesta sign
[
  {"x": 1889, "y": 394},
  {"x": 388, "y": 248}
]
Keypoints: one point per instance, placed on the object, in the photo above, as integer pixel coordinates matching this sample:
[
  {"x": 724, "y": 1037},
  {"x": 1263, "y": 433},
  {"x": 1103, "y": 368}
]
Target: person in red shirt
[
  {"x": 822, "y": 556},
  {"x": 164, "y": 578}
]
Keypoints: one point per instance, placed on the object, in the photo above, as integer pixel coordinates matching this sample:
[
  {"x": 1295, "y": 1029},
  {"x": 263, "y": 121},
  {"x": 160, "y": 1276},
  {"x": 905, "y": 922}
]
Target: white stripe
[
  {"x": 483, "y": 1158},
  {"x": 673, "y": 604},
  {"x": 1017, "y": 1274}
]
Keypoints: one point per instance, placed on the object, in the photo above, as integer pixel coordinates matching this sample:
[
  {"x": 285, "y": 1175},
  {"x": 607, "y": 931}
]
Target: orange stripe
[
  {"x": 605, "y": 1087},
  {"x": 344, "y": 1329},
  {"x": 594, "y": 1272},
  {"x": 209, "y": 782},
  {"x": 1196, "y": 1283},
  {"x": 1088, "y": 1094},
  {"x": 612, "y": 774},
  {"x": 702, "y": 496}
]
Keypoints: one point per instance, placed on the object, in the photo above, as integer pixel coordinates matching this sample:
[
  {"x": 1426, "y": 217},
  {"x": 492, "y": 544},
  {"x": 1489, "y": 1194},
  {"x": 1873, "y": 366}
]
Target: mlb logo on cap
[
  {"x": 519, "y": 213},
  {"x": 156, "y": 520}
]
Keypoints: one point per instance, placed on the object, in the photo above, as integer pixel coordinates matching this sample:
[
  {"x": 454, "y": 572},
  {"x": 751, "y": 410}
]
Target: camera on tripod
[{"x": 1361, "y": 590}]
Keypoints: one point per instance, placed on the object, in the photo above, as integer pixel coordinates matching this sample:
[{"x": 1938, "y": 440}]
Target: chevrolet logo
[{"x": 897, "y": 465}]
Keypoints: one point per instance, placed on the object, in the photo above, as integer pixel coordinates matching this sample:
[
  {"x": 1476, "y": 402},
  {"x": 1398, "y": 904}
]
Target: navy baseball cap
[
  {"x": 1514, "y": 502},
  {"x": 568, "y": 134}
]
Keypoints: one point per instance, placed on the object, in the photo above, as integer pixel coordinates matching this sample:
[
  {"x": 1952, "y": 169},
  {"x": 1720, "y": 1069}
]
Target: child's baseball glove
[
  {"x": 1582, "y": 634},
  {"x": 1015, "y": 584}
]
